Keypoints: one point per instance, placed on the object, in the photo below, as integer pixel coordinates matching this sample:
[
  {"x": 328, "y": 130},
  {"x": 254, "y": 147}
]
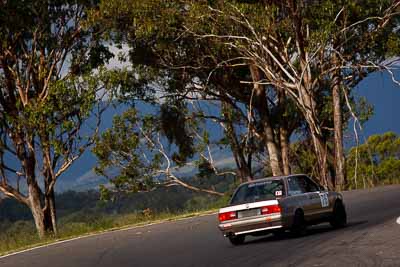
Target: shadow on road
[{"x": 311, "y": 230}]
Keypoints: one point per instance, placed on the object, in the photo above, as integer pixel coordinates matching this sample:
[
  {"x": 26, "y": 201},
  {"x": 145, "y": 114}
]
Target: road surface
[{"x": 371, "y": 239}]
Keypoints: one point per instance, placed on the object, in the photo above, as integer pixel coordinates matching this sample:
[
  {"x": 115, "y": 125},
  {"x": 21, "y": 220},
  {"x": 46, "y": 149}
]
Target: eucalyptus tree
[
  {"x": 359, "y": 38},
  {"x": 309, "y": 52},
  {"x": 187, "y": 67},
  {"x": 305, "y": 49},
  {"x": 48, "y": 90}
]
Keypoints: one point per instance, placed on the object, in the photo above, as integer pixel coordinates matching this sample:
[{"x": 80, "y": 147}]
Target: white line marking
[
  {"x": 102, "y": 233},
  {"x": 398, "y": 220}
]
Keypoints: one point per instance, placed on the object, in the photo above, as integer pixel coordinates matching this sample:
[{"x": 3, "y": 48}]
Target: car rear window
[{"x": 258, "y": 191}]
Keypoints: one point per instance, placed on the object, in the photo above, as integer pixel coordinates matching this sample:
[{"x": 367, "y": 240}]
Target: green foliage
[
  {"x": 174, "y": 126},
  {"x": 378, "y": 161},
  {"x": 127, "y": 155},
  {"x": 143, "y": 151},
  {"x": 302, "y": 158},
  {"x": 205, "y": 168}
]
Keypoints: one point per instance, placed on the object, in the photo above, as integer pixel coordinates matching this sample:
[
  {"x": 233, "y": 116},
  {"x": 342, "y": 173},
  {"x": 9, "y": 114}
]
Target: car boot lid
[{"x": 247, "y": 206}]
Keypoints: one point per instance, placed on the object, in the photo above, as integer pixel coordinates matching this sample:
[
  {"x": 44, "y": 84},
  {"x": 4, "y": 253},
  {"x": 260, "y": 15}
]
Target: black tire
[
  {"x": 299, "y": 227},
  {"x": 237, "y": 240},
  {"x": 339, "y": 216}
]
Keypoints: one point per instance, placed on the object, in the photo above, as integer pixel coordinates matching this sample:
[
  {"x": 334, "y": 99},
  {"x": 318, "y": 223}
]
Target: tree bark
[
  {"x": 308, "y": 108},
  {"x": 284, "y": 140},
  {"x": 43, "y": 216},
  {"x": 49, "y": 196},
  {"x": 321, "y": 154},
  {"x": 197, "y": 189},
  {"x": 261, "y": 105},
  {"x": 36, "y": 209},
  {"x": 50, "y": 213},
  {"x": 284, "y": 133},
  {"x": 53, "y": 213},
  {"x": 36, "y": 198},
  {"x": 339, "y": 179},
  {"x": 306, "y": 96}
]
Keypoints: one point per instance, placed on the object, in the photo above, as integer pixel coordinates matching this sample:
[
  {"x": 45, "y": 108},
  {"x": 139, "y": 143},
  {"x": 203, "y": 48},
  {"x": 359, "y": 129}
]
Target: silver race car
[{"x": 277, "y": 204}]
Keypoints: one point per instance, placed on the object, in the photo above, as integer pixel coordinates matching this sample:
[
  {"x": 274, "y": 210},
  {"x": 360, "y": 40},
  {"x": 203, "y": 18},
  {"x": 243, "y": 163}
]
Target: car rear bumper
[{"x": 251, "y": 225}]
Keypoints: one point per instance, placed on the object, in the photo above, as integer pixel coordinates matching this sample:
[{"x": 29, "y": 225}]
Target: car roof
[{"x": 271, "y": 178}]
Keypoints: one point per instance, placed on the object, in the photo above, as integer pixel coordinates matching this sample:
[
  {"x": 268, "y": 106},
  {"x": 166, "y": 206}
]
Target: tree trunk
[
  {"x": 306, "y": 97},
  {"x": 284, "y": 134},
  {"x": 49, "y": 196},
  {"x": 307, "y": 106},
  {"x": 321, "y": 154},
  {"x": 261, "y": 105},
  {"x": 53, "y": 213},
  {"x": 44, "y": 220},
  {"x": 41, "y": 215},
  {"x": 35, "y": 195},
  {"x": 339, "y": 179},
  {"x": 273, "y": 151},
  {"x": 284, "y": 139},
  {"x": 309, "y": 111},
  {"x": 36, "y": 209},
  {"x": 50, "y": 213},
  {"x": 49, "y": 202}
]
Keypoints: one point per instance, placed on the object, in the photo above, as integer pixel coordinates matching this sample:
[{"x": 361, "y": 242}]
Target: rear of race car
[
  {"x": 254, "y": 208},
  {"x": 250, "y": 218}
]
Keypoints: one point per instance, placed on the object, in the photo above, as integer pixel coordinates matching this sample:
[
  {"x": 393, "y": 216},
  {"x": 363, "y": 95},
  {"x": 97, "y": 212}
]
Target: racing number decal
[{"x": 324, "y": 199}]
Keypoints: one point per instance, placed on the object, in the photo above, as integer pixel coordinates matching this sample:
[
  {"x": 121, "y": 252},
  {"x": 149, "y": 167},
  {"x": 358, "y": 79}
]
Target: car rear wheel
[
  {"x": 299, "y": 227},
  {"x": 237, "y": 239},
  {"x": 339, "y": 216}
]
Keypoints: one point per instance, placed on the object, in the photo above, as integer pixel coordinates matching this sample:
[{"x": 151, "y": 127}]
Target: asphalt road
[{"x": 372, "y": 238}]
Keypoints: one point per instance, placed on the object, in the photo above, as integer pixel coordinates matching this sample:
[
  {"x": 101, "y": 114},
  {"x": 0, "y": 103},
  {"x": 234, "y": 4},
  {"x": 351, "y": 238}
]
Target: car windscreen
[{"x": 258, "y": 191}]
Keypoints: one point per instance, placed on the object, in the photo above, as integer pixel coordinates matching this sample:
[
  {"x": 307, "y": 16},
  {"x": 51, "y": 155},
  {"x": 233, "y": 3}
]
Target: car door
[
  {"x": 312, "y": 203},
  {"x": 325, "y": 198},
  {"x": 322, "y": 197},
  {"x": 299, "y": 197}
]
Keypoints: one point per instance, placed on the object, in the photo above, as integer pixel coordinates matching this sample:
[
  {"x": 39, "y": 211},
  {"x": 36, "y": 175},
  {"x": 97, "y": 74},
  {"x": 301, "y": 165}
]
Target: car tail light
[
  {"x": 226, "y": 216},
  {"x": 270, "y": 209}
]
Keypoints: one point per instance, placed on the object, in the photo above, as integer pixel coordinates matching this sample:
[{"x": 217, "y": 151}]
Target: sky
[{"x": 384, "y": 95}]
